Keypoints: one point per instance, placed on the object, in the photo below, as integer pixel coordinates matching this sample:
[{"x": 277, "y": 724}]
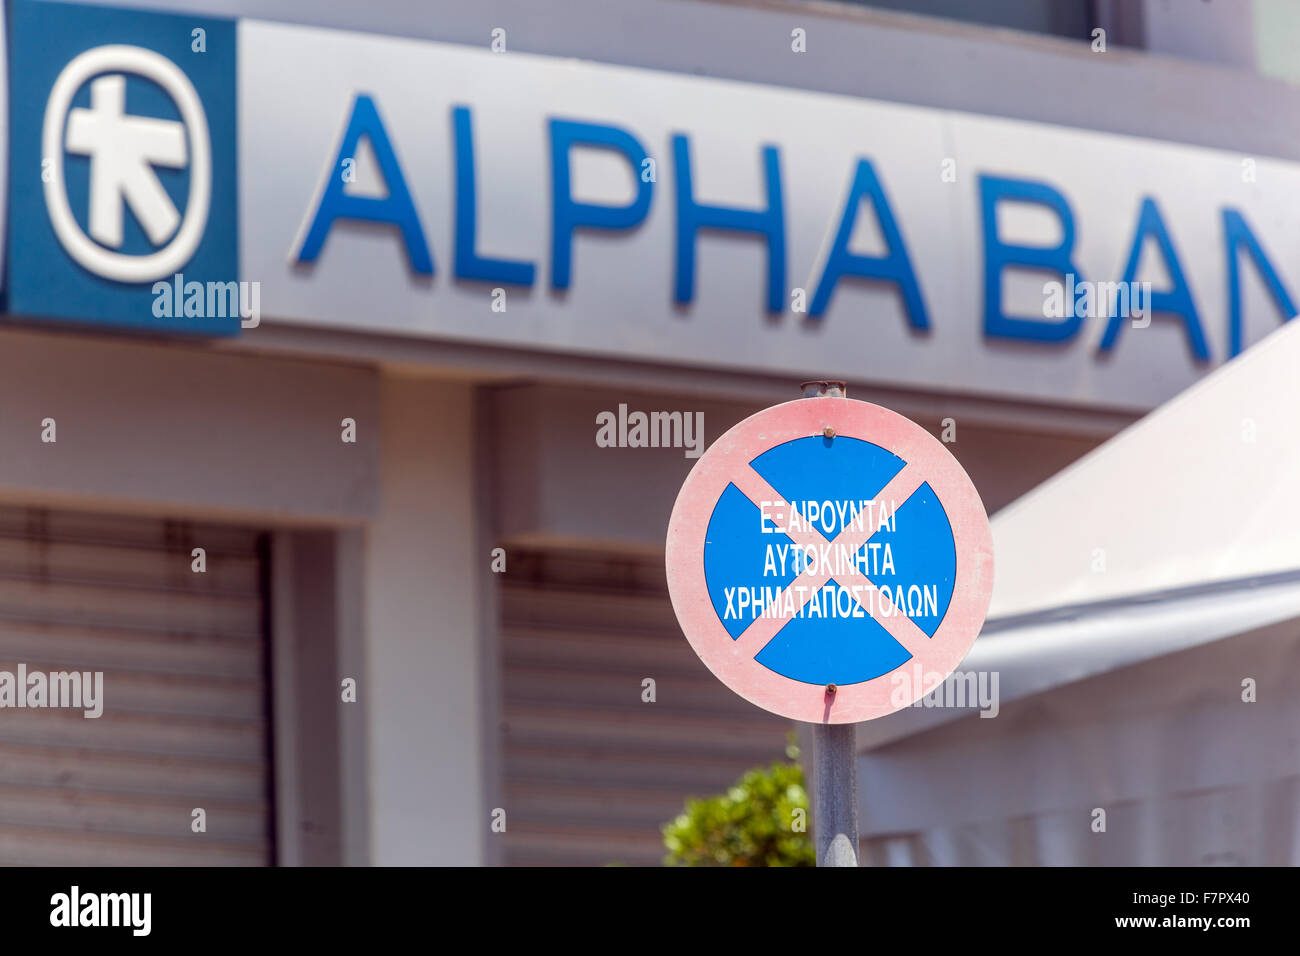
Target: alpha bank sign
[{"x": 443, "y": 191}]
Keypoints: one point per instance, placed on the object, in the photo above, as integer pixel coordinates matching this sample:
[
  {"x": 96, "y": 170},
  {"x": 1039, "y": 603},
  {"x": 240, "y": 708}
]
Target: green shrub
[{"x": 754, "y": 823}]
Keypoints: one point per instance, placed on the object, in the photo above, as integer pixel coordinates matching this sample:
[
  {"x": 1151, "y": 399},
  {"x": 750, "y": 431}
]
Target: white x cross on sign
[{"x": 899, "y": 626}]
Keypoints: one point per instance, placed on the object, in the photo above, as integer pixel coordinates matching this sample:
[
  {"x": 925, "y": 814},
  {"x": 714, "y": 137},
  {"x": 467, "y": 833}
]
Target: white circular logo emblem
[{"x": 123, "y": 150}]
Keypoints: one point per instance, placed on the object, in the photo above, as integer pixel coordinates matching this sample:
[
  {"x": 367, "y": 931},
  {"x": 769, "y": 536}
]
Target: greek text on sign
[{"x": 819, "y": 546}]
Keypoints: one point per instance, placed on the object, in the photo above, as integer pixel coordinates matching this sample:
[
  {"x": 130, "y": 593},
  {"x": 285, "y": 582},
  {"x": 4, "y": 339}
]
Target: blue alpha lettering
[
  {"x": 468, "y": 263},
  {"x": 1235, "y": 234},
  {"x": 895, "y": 267},
  {"x": 998, "y": 255},
  {"x": 692, "y": 216},
  {"x": 1174, "y": 301},
  {"x": 395, "y": 209},
  {"x": 568, "y": 215}
]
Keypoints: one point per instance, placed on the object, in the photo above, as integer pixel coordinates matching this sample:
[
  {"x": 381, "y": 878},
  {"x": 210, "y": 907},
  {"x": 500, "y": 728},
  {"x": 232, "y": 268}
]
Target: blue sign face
[
  {"x": 829, "y": 560},
  {"x": 828, "y": 490},
  {"x": 122, "y": 159}
]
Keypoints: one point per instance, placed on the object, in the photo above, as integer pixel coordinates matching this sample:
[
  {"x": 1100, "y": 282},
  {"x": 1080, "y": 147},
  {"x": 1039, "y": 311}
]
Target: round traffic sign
[{"x": 829, "y": 560}]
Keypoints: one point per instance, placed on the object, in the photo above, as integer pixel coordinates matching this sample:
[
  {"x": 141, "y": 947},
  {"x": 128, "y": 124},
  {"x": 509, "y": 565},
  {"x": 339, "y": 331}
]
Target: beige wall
[
  {"x": 555, "y": 486},
  {"x": 422, "y": 685},
  {"x": 162, "y": 428}
]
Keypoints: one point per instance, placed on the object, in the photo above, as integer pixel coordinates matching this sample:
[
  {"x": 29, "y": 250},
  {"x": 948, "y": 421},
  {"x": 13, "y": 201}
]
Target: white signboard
[{"x": 437, "y": 190}]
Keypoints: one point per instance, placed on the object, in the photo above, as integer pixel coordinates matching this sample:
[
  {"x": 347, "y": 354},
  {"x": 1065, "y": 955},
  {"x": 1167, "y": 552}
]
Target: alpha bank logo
[{"x": 124, "y": 152}]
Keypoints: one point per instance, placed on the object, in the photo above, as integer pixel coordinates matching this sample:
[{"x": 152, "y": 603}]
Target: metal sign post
[
  {"x": 835, "y": 769},
  {"x": 835, "y": 790}
]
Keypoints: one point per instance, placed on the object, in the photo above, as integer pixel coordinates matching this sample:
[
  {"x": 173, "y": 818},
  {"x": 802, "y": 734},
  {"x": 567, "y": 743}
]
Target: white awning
[
  {"x": 1205, "y": 488},
  {"x": 1182, "y": 529}
]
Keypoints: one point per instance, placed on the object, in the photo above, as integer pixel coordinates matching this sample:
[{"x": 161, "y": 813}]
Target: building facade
[{"x": 312, "y": 316}]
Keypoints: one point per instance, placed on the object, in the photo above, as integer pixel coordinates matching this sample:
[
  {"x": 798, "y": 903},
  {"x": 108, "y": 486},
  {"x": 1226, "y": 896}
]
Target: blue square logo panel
[{"x": 122, "y": 169}]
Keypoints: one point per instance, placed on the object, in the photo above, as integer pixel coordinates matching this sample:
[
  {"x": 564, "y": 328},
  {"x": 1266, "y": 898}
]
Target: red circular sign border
[{"x": 803, "y": 418}]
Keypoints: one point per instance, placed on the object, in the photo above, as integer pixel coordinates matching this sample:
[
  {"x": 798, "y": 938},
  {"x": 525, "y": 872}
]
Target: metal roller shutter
[
  {"x": 184, "y": 721},
  {"x": 591, "y": 771}
]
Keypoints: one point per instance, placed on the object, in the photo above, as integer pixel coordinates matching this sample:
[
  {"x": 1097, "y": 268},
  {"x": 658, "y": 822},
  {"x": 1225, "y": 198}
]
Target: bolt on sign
[{"x": 821, "y": 545}]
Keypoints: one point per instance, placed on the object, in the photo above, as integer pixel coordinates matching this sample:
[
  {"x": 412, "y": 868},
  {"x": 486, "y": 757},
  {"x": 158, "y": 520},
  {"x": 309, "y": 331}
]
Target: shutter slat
[
  {"x": 135, "y": 814},
  {"x": 35, "y": 846},
  {"x": 175, "y": 611},
  {"x": 80, "y": 769},
  {"x": 67, "y": 648},
  {"x": 131, "y": 566}
]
